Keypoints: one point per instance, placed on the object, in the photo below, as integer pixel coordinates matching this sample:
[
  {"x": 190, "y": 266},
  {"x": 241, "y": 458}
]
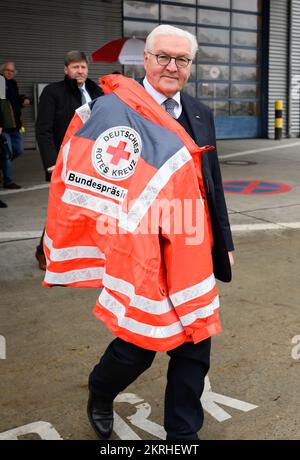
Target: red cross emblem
[{"x": 118, "y": 152}]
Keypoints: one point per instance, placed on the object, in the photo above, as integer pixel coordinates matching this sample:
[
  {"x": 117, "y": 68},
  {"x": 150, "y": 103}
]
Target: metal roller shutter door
[
  {"x": 278, "y": 61},
  {"x": 294, "y": 112},
  {"x": 36, "y": 35}
]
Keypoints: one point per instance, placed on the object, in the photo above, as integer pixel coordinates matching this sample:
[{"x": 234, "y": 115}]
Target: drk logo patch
[{"x": 116, "y": 152}]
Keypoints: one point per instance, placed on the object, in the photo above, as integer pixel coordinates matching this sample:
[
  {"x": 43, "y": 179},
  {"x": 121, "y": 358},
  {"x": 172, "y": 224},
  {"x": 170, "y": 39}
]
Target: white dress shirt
[
  {"x": 86, "y": 94},
  {"x": 160, "y": 98}
]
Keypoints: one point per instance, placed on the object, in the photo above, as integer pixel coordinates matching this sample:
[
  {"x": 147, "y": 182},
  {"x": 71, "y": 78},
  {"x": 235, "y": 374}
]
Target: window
[
  {"x": 245, "y": 108},
  {"x": 243, "y": 56},
  {"x": 245, "y": 90},
  {"x": 216, "y": 3},
  {"x": 213, "y": 18},
  {"x": 246, "y": 38},
  {"x": 226, "y": 74},
  {"x": 213, "y": 36},
  {"x": 205, "y": 72},
  {"x": 138, "y": 29},
  {"x": 246, "y": 21},
  {"x": 213, "y": 54},
  {"x": 252, "y": 5},
  {"x": 245, "y": 73},
  {"x": 178, "y": 13},
  {"x": 220, "y": 109},
  {"x": 214, "y": 90},
  {"x": 141, "y": 10}
]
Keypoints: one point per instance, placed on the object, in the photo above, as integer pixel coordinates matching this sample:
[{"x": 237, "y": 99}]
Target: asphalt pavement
[{"x": 50, "y": 340}]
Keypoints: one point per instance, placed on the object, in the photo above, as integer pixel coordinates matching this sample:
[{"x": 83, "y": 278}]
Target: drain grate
[{"x": 238, "y": 162}]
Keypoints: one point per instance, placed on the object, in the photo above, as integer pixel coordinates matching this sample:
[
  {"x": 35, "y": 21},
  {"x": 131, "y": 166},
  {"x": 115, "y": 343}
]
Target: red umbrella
[{"x": 124, "y": 50}]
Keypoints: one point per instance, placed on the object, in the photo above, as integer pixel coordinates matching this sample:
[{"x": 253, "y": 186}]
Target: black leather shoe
[
  {"x": 101, "y": 416},
  {"x": 12, "y": 186}
]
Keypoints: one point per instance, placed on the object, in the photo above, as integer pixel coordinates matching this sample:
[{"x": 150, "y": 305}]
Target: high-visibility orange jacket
[{"x": 124, "y": 171}]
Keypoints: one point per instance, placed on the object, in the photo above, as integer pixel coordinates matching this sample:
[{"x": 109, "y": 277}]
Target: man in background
[
  {"x": 12, "y": 123},
  {"x": 57, "y": 105}
]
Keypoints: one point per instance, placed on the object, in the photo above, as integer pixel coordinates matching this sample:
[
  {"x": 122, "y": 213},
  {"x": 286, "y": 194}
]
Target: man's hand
[
  {"x": 231, "y": 259},
  {"x": 51, "y": 169}
]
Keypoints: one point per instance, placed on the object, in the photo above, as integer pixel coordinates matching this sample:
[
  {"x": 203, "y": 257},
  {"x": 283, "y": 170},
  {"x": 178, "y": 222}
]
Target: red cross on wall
[{"x": 118, "y": 152}]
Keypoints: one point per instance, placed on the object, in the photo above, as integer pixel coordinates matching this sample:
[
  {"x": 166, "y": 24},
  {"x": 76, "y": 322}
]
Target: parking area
[{"x": 50, "y": 340}]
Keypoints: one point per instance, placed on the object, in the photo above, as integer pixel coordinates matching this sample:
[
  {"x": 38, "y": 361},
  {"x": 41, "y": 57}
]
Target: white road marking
[
  {"x": 44, "y": 429},
  {"x": 20, "y": 235},
  {"x": 267, "y": 226},
  {"x": 25, "y": 189},
  {"x": 123, "y": 430},
  {"x": 264, "y": 149},
  {"x": 140, "y": 418},
  {"x": 210, "y": 399},
  {"x": 236, "y": 228},
  {"x": 2, "y": 347}
]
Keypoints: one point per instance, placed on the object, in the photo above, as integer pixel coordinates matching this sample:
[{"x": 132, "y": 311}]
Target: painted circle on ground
[{"x": 255, "y": 187}]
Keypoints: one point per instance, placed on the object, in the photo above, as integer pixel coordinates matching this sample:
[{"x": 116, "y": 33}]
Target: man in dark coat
[
  {"x": 11, "y": 121},
  {"x": 2, "y": 153},
  {"x": 57, "y": 105}
]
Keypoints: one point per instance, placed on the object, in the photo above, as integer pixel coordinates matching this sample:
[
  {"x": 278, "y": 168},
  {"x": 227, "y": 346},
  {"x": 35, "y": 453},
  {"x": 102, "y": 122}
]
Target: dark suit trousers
[{"x": 123, "y": 362}]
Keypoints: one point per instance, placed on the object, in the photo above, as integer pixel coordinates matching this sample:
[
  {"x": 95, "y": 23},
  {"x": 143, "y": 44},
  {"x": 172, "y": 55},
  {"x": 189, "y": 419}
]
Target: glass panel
[
  {"x": 191, "y": 2},
  {"x": 190, "y": 29},
  {"x": 245, "y": 56},
  {"x": 205, "y": 72},
  {"x": 190, "y": 88},
  {"x": 213, "y": 90},
  {"x": 245, "y": 108},
  {"x": 252, "y": 5},
  {"x": 246, "y": 21},
  {"x": 178, "y": 13},
  {"x": 246, "y": 38},
  {"x": 134, "y": 71},
  {"x": 138, "y": 29},
  {"x": 245, "y": 91},
  {"x": 245, "y": 73},
  {"x": 218, "y": 108},
  {"x": 217, "y": 3},
  {"x": 215, "y": 36},
  {"x": 141, "y": 10},
  {"x": 214, "y": 18},
  {"x": 209, "y": 53},
  {"x": 193, "y": 72}
]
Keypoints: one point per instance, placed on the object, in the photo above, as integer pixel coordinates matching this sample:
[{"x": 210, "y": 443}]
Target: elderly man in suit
[
  {"x": 166, "y": 75},
  {"x": 168, "y": 56}
]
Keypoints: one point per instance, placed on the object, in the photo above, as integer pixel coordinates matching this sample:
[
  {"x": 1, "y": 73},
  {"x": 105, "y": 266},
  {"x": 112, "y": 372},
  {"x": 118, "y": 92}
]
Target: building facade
[{"x": 249, "y": 51}]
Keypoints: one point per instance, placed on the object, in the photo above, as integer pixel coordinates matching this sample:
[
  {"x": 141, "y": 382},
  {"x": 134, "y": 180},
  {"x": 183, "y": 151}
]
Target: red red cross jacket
[{"x": 126, "y": 214}]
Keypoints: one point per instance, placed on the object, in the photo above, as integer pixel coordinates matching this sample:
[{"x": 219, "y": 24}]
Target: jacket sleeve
[
  {"x": 187, "y": 256},
  {"x": 219, "y": 194},
  {"x": 45, "y": 126},
  {"x": 73, "y": 257}
]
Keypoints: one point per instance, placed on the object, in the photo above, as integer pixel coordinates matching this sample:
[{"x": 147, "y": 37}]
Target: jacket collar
[{"x": 136, "y": 97}]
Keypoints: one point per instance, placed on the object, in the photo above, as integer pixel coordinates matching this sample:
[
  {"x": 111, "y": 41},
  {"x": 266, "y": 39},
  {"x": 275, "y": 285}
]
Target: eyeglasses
[
  {"x": 9, "y": 70},
  {"x": 164, "y": 59}
]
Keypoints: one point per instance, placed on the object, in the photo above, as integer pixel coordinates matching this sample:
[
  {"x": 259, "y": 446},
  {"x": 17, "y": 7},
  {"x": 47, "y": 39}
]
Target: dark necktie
[{"x": 170, "y": 105}]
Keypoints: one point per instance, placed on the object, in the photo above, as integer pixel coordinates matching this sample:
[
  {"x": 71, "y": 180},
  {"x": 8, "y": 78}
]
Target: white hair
[
  {"x": 167, "y": 30},
  {"x": 2, "y": 67}
]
